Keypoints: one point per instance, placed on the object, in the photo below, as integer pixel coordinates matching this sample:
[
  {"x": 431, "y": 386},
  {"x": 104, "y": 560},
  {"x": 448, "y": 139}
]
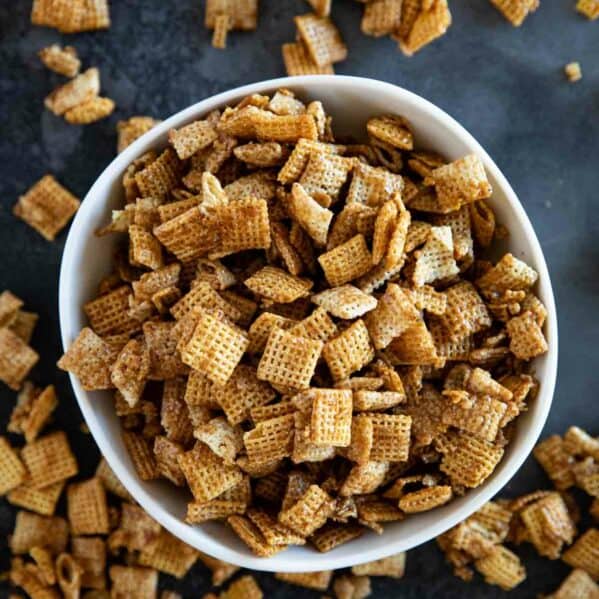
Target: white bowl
[{"x": 87, "y": 258}]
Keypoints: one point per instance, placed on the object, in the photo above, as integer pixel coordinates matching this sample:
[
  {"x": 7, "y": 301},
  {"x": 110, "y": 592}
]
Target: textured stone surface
[{"x": 505, "y": 85}]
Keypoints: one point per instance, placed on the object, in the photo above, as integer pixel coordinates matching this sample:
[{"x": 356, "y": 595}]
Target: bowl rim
[{"x": 210, "y": 544}]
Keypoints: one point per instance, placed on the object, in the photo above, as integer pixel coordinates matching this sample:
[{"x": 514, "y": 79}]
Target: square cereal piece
[
  {"x": 321, "y": 38},
  {"x": 132, "y": 581},
  {"x": 193, "y": 137},
  {"x": 391, "y": 129},
  {"x": 245, "y": 587},
  {"x": 133, "y": 128},
  {"x": 321, "y": 7},
  {"x": 87, "y": 508},
  {"x": 576, "y": 585},
  {"x": 580, "y": 443},
  {"x": 89, "y": 358},
  {"x": 318, "y": 581},
  {"x": 317, "y": 326},
  {"x": 16, "y": 359},
  {"x": 12, "y": 470},
  {"x": 109, "y": 313},
  {"x": 362, "y": 437},
  {"x": 24, "y": 324},
  {"x": 303, "y": 448},
  {"x": 243, "y": 13},
  {"x": 435, "y": 260},
  {"x": 509, "y": 274},
  {"x": 141, "y": 454},
  {"x": 90, "y": 554},
  {"x": 584, "y": 554},
  {"x": 42, "y": 501},
  {"x": 346, "y": 262},
  {"x": 393, "y": 566},
  {"x": 588, "y": 8},
  {"x": 169, "y": 555},
  {"x": 430, "y": 23},
  {"x": 349, "y": 351},
  {"x": 479, "y": 415},
  {"x": 110, "y": 481},
  {"x": 160, "y": 176},
  {"x": 299, "y": 157},
  {"x": 49, "y": 460},
  {"x": 390, "y": 437},
  {"x": 460, "y": 182},
  {"x": 90, "y": 111},
  {"x": 250, "y": 534},
  {"x": 47, "y": 207},
  {"x": 174, "y": 413},
  {"x": 63, "y": 61},
  {"x": 365, "y": 401},
  {"x": 224, "y": 440},
  {"x": 286, "y": 128},
  {"x": 243, "y": 225},
  {"x": 130, "y": 371},
  {"x": 206, "y": 473},
  {"x": 273, "y": 531},
  {"x": 166, "y": 454},
  {"x": 299, "y": 62},
  {"x": 526, "y": 337},
  {"x": 515, "y": 11},
  {"x": 32, "y": 530},
  {"x": 331, "y": 419},
  {"x": 203, "y": 295},
  {"x": 326, "y": 173},
  {"x": 573, "y": 72},
  {"x": 165, "y": 361},
  {"x": 425, "y": 499},
  {"x": 501, "y": 567},
  {"x": 467, "y": 460},
  {"x": 381, "y": 17},
  {"x": 556, "y": 460},
  {"x": 215, "y": 348},
  {"x": 309, "y": 214},
  {"x": 144, "y": 249},
  {"x": 364, "y": 479},
  {"x": 9, "y": 308},
  {"x": 136, "y": 531},
  {"x": 345, "y": 301},
  {"x": 242, "y": 393},
  {"x": 309, "y": 512},
  {"x": 333, "y": 534},
  {"x": 270, "y": 439},
  {"x": 393, "y": 315},
  {"x": 82, "y": 88},
  {"x": 278, "y": 286},
  {"x": 289, "y": 360},
  {"x": 374, "y": 186}
]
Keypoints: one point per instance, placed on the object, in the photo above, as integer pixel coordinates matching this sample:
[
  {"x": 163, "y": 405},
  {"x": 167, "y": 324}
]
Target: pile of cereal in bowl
[{"x": 308, "y": 334}]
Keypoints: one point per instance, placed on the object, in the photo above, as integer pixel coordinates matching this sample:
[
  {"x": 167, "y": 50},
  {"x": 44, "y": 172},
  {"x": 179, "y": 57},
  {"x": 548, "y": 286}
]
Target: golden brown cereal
[
  {"x": 430, "y": 22},
  {"x": 349, "y": 351},
  {"x": 508, "y": 274},
  {"x": 130, "y": 371},
  {"x": 132, "y": 581},
  {"x": 270, "y": 440},
  {"x": 81, "y": 89},
  {"x": 309, "y": 512},
  {"x": 289, "y": 360},
  {"x": 169, "y": 555},
  {"x": 90, "y": 111},
  {"x": 222, "y": 23},
  {"x": 24, "y": 324},
  {"x": 274, "y": 532},
  {"x": 322, "y": 39},
  {"x": 391, "y": 129},
  {"x": 243, "y": 13},
  {"x": 584, "y": 554},
  {"x": 325, "y": 174},
  {"x": 110, "y": 481},
  {"x": 526, "y": 337},
  {"x": 392, "y": 566},
  {"x": 140, "y": 452},
  {"x": 47, "y": 207},
  {"x": 278, "y": 286},
  {"x": 331, "y": 417},
  {"x": 588, "y": 8},
  {"x": 299, "y": 62},
  {"x": 317, "y": 326},
  {"x": 309, "y": 214},
  {"x": 515, "y": 11},
  {"x": 381, "y": 17},
  {"x": 346, "y": 301},
  {"x": 576, "y": 585},
  {"x": 42, "y": 501},
  {"x": 9, "y": 308},
  {"x": 333, "y": 534},
  {"x": 365, "y": 401},
  {"x": 49, "y": 460},
  {"x": 90, "y": 554},
  {"x": 252, "y": 537},
  {"x": 318, "y": 581},
  {"x": 87, "y": 508},
  {"x": 136, "y": 530},
  {"x": 346, "y": 262},
  {"x": 573, "y": 71},
  {"x": 221, "y": 571},
  {"x": 32, "y": 530},
  {"x": 12, "y": 470},
  {"x": 245, "y": 587},
  {"x": 501, "y": 567},
  {"x": 133, "y": 128},
  {"x": 16, "y": 359},
  {"x": 61, "y": 60}
]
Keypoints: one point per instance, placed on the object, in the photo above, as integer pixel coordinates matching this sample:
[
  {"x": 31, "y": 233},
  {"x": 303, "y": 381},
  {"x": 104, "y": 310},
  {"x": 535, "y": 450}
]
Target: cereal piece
[
  {"x": 318, "y": 326},
  {"x": 130, "y": 370},
  {"x": 300, "y": 156},
  {"x": 384, "y": 227},
  {"x": 24, "y": 324},
  {"x": 161, "y": 340},
  {"x": 352, "y": 587},
  {"x": 333, "y": 534},
  {"x": 169, "y": 555},
  {"x": 110, "y": 481},
  {"x": 270, "y": 439},
  {"x": 391, "y": 129},
  {"x": 90, "y": 554},
  {"x": 579, "y": 442},
  {"x": 83, "y": 88},
  {"x": 261, "y": 329},
  {"x": 90, "y": 111},
  {"x": 222, "y": 24},
  {"x": 132, "y": 581},
  {"x": 299, "y": 62},
  {"x": 207, "y": 474},
  {"x": 61, "y": 60},
  {"x": 136, "y": 532},
  {"x": 221, "y": 571},
  {"x": 365, "y": 401},
  {"x": 381, "y": 17},
  {"x": 45, "y": 563},
  {"x": 393, "y": 566},
  {"x": 273, "y": 531},
  {"x": 87, "y": 508},
  {"x": 390, "y": 437},
  {"x": 309, "y": 512},
  {"x": 309, "y": 214},
  {"x": 467, "y": 460},
  {"x": 372, "y": 186},
  {"x": 393, "y": 315},
  {"x": 49, "y": 460},
  {"x": 346, "y": 262},
  {"x": 109, "y": 313},
  {"x": 526, "y": 337},
  {"x": 364, "y": 478},
  {"x": 573, "y": 71},
  {"x": 325, "y": 175},
  {"x": 224, "y": 440},
  {"x": 321, "y": 7},
  {"x": 10, "y": 305},
  {"x": 576, "y": 585},
  {"x": 133, "y": 128},
  {"x": 166, "y": 454},
  {"x": 508, "y": 274},
  {"x": 203, "y": 296},
  {"x": 501, "y": 567},
  {"x": 515, "y": 11},
  {"x": 425, "y": 499},
  {"x": 479, "y": 415},
  {"x": 140, "y": 452},
  {"x": 278, "y": 286},
  {"x": 349, "y": 351},
  {"x": 215, "y": 348},
  {"x": 252, "y": 536},
  {"x": 321, "y": 38},
  {"x": 257, "y": 185},
  {"x": 42, "y": 501},
  {"x": 331, "y": 417},
  {"x": 47, "y": 207},
  {"x": 318, "y": 580},
  {"x": 414, "y": 346},
  {"x": 12, "y": 470},
  {"x": 261, "y": 154},
  {"x": 303, "y": 448},
  {"x": 16, "y": 359},
  {"x": 584, "y": 554},
  {"x": 245, "y": 587},
  {"x": 346, "y": 301},
  {"x": 32, "y": 531},
  {"x": 588, "y": 8},
  {"x": 243, "y": 13},
  {"x": 289, "y": 360},
  {"x": 436, "y": 259},
  {"x": 431, "y": 22},
  {"x": 174, "y": 414}
]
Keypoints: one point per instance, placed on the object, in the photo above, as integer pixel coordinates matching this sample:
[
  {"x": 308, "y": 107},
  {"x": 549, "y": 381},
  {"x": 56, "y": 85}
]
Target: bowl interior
[{"x": 351, "y": 101}]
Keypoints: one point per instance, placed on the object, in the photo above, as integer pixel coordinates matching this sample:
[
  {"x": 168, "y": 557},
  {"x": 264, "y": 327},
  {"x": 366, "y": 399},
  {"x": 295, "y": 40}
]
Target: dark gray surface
[{"x": 505, "y": 85}]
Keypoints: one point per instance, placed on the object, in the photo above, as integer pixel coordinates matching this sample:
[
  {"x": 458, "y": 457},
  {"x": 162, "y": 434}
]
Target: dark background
[{"x": 505, "y": 85}]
